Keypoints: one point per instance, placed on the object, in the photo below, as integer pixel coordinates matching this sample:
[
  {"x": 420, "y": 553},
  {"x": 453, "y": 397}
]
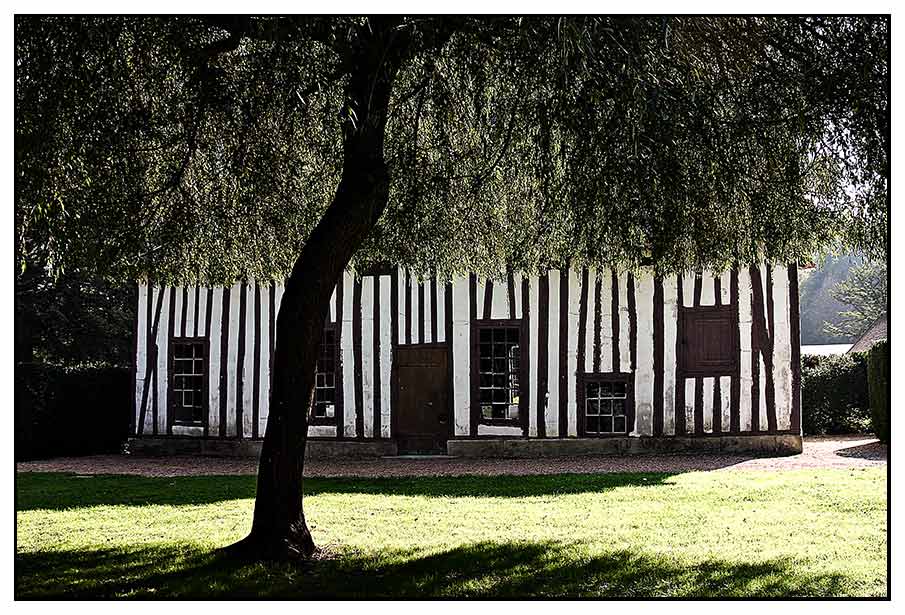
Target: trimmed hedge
[
  {"x": 834, "y": 394},
  {"x": 878, "y": 384},
  {"x": 81, "y": 410}
]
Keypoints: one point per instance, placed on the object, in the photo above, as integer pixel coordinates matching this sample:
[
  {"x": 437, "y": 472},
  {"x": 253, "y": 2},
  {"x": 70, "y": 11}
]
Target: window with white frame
[
  {"x": 499, "y": 367},
  {"x": 605, "y": 406},
  {"x": 189, "y": 375}
]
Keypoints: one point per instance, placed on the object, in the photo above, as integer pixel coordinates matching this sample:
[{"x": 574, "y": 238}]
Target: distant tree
[
  {"x": 865, "y": 292},
  {"x": 211, "y": 148},
  {"x": 817, "y": 305},
  {"x": 72, "y": 319}
]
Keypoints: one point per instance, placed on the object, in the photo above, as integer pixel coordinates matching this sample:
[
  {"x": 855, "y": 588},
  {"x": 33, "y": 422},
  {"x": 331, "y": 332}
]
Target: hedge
[
  {"x": 834, "y": 394},
  {"x": 878, "y": 384},
  {"x": 79, "y": 410}
]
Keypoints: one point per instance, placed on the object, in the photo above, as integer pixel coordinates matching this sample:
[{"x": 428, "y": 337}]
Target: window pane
[
  {"x": 606, "y": 389},
  {"x": 592, "y": 407},
  {"x": 606, "y": 424},
  {"x": 619, "y": 407},
  {"x": 619, "y": 424},
  {"x": 487, "y": 411},
  {"x": 512, "y": 335},
  {"x": 593, "y": 424},
  {"x": 485, "y": 335},
  {"x": 619, "y": 389},
  {"x": 592, "y": 389}
]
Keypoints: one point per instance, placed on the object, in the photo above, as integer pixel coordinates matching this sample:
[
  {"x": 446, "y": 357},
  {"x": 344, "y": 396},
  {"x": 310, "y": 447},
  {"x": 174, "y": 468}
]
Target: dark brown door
[{"x": 423, "y": 413}]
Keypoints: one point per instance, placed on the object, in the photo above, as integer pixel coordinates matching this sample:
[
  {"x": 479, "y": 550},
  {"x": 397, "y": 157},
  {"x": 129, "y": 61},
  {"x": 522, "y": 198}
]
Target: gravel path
[{"x": 819, "y": 452}]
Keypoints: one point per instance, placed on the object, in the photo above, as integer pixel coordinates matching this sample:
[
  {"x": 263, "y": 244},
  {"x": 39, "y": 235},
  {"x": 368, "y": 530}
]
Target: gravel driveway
[{"x": 819, "y": 452}]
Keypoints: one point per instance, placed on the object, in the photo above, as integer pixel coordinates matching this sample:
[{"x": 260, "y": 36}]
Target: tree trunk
[{"x": 279, "y": 530}]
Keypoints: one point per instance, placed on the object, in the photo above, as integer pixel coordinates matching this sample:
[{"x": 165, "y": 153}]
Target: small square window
[{"x": 605, "y": 403}]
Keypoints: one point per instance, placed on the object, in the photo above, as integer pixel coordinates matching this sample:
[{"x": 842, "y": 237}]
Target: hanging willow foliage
[{"x": 206, "y": 149}]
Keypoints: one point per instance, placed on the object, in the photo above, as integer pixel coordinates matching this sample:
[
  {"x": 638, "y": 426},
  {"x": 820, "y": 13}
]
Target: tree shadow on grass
[
  {"x": 61, "y": 491},
  {"x": 874, "y": 451},
  {"x": 485, "y": 569}
]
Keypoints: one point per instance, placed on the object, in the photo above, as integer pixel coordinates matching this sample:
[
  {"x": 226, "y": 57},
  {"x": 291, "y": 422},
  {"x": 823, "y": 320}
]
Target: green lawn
[{"x": 737, "y": 533}]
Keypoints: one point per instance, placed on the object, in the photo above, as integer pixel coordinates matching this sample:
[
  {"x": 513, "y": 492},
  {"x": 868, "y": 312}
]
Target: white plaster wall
[
  {"x": 535, "y": 333},
  {"x": 141, "y": 350},
  {"x": 725, "y": 401},
  {"x": 498, "y": 430},
  {"x": 213, "y": 400},
  {"x": 499, "y": 305},
  {"x": 202, "y": 311},
  {"x": 190, "y": 312},
  {"x": 177, "y": 312},
  {"x": 264, "y": 390},
  {"x": 517, "y": 280},
  {"x": 163, "y": 375},
  {"x": 644, "y": 374},
  {"x": 386, "y": 352},
  {"x": 572, "y": 350},
  {"x": 670, "y": 318},
  {"x": 461, "y": 357},
  {"x": 552, "y": 412},
  {"x": 232, "y": 359},
  {"x": 708, "y": 294},
  {"x": 367, "y": 354},
  {"x": 744, "y": 330},
  {"x": 625, "y": 357},
  {"x": 726, "y": 288},
  {"x": 348, "y": 357},
  {"x": 782, "y": 348},
  {"x": 248, "y": 368},
  {"x": 400, "y": 306},
  {"x": 321, "y": 431},
  {"x": 331, "y": 309},
  {"x": 416, "y": 304},
  {"x": 689, "y": 405},
  {"x": 589, "y": 323},
  {"x": 441, "y": 311},
  {"x": 708, "y": 404},
  {"x": 688, "y": 289},
  {"x": 606, "y": 321}
]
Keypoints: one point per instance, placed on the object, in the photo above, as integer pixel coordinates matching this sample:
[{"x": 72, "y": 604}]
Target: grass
[{"x": 735, "y": 533}]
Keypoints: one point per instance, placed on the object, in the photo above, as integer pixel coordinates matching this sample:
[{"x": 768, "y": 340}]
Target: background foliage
[
  {"x": 834, "y": 394},
  {"x": 878, "y": 373},
  {"x": 70, "y": 410},
  {"x": 187, "y": 148}
]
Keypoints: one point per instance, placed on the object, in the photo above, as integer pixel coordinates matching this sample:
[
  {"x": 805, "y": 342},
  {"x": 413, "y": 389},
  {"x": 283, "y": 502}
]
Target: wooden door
[{"x": 422, "y": 416}]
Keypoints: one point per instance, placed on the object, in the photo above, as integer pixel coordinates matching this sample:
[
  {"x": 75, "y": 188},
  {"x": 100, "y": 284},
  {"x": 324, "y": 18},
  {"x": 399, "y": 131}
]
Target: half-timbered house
[{"x": 571, "y": 361}]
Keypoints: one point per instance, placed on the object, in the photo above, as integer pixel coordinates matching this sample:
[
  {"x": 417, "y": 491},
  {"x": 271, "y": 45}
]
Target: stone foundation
[
  {"x": 315, "y": 449},
  {"x": 780, "y": 444}
]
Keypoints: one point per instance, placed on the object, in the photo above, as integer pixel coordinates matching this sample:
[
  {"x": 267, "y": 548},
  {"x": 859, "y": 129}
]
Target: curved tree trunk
[{"x": 279, "y": 530}]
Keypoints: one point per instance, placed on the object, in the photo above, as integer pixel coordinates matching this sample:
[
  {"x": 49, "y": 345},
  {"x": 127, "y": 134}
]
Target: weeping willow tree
[{"x": 206, "y": 149}]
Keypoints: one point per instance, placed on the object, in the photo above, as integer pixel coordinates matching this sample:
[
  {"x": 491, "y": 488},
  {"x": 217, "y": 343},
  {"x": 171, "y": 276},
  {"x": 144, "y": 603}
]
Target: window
[
  {"x": 605, "y": 407},
  {"x": 325, "y": 377},
  {"x": 189, "y": 375},
  {"x": 499, "y": 367},
  {"x": 709, "y": 337}
]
